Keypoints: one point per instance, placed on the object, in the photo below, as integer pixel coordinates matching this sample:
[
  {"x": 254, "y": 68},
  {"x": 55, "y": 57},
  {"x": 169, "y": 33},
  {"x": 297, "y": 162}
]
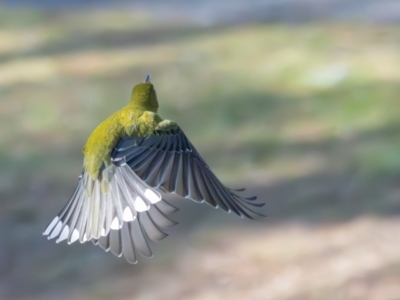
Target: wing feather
[
  {"x": 176, "y": 167},
  {"x": 152, "y": 230},
  {"x": 115, "y": 242},
  {"x": 122, "y": 212},
  {"x": 128, "y": 248},
  {"x": 151, "y": 173},
  {"x": 139, "y": 240}
]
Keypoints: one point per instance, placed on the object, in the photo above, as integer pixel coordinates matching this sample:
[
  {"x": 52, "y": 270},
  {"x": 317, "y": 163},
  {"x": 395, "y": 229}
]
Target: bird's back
[{"x": 129, "y": 121}]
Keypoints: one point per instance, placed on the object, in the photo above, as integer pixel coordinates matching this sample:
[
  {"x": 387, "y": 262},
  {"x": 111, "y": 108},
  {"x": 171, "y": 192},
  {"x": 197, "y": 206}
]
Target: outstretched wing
[
  {"x": 132, "y": 211},
  {"x": 122, "y": 219},
  {"x": 167, "y": 160}
]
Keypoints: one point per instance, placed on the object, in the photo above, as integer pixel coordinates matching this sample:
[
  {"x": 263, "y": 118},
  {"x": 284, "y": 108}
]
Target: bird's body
[
  {"x": 125, "y": 122},
  {"x": 130, "y": 159},
  {"x": 138, "y": 119}
]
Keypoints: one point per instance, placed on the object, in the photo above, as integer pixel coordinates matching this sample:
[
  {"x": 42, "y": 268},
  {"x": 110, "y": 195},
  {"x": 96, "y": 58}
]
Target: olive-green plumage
[{"x": 138, "y": 119}]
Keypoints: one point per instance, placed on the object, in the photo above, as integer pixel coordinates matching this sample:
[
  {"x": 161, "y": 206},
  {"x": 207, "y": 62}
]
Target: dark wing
[{"x": 168, "y": 161}]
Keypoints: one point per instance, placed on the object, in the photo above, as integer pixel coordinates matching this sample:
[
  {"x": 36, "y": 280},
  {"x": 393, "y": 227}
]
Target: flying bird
[{"x": 130, "y": 160}]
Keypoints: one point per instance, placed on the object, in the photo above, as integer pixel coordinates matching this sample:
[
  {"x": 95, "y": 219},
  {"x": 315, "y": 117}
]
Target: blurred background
[{"x": 296, "y": 100}]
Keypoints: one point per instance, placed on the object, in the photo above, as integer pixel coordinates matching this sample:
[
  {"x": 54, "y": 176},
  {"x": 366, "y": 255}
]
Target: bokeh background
[{"x": 296, "y": 100}]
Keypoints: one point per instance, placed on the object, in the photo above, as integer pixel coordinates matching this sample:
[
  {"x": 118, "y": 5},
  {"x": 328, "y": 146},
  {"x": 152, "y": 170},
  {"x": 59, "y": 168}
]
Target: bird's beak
[{"x": 148, "y": 78}]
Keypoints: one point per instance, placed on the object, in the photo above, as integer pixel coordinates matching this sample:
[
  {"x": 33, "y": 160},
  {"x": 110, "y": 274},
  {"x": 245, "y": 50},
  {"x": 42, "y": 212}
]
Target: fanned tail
[{"x": 120, "y": 219}]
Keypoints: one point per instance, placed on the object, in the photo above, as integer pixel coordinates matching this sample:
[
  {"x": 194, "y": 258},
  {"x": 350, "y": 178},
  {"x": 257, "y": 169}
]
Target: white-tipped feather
[
  {"x": 152, "y": 196},
  {"x": 55, "y": 231},
  {"x": 109, "y": 213},
  {"x": 140, "y": 205},
  {"x": 117, "y": 198},
  {"x": 80, "y": 196},
  {"x": 51, "y": 226},
  {"x": 88, "y": 230},
  {"x": 64, "y": 234},
  {"x": 115, "y": 224},
  {"x": 128, "y": 216},
  {"x": 74, "y": 236},
  {"x": 83, "y": 216},
  {"x": 102, "y": 214}
]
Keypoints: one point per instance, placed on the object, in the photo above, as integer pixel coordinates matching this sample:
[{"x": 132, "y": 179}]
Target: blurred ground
[
  {"x": 209, "y": 12},
  {"x": 306, "y": 116}
]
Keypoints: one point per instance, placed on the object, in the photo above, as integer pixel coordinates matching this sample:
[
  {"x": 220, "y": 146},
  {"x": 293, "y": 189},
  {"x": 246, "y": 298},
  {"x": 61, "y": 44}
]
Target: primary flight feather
[{"x": 130, "y": 160}]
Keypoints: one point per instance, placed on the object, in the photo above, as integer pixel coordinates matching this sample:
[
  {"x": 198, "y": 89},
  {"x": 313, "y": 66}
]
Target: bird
[{"x": 131, "y": 161}]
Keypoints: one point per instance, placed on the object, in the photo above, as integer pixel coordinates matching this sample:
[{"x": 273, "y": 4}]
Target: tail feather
[{"x": 120, "y": 220}]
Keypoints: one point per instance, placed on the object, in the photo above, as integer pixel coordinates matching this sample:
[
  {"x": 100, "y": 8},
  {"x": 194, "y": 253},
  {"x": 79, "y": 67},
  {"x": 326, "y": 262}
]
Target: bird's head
[{"x": 144, "y": 96}]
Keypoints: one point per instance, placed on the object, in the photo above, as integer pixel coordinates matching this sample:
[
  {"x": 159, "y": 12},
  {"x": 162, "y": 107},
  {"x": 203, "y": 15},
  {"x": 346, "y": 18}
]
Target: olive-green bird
[{"x": 130, "y": 160}]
